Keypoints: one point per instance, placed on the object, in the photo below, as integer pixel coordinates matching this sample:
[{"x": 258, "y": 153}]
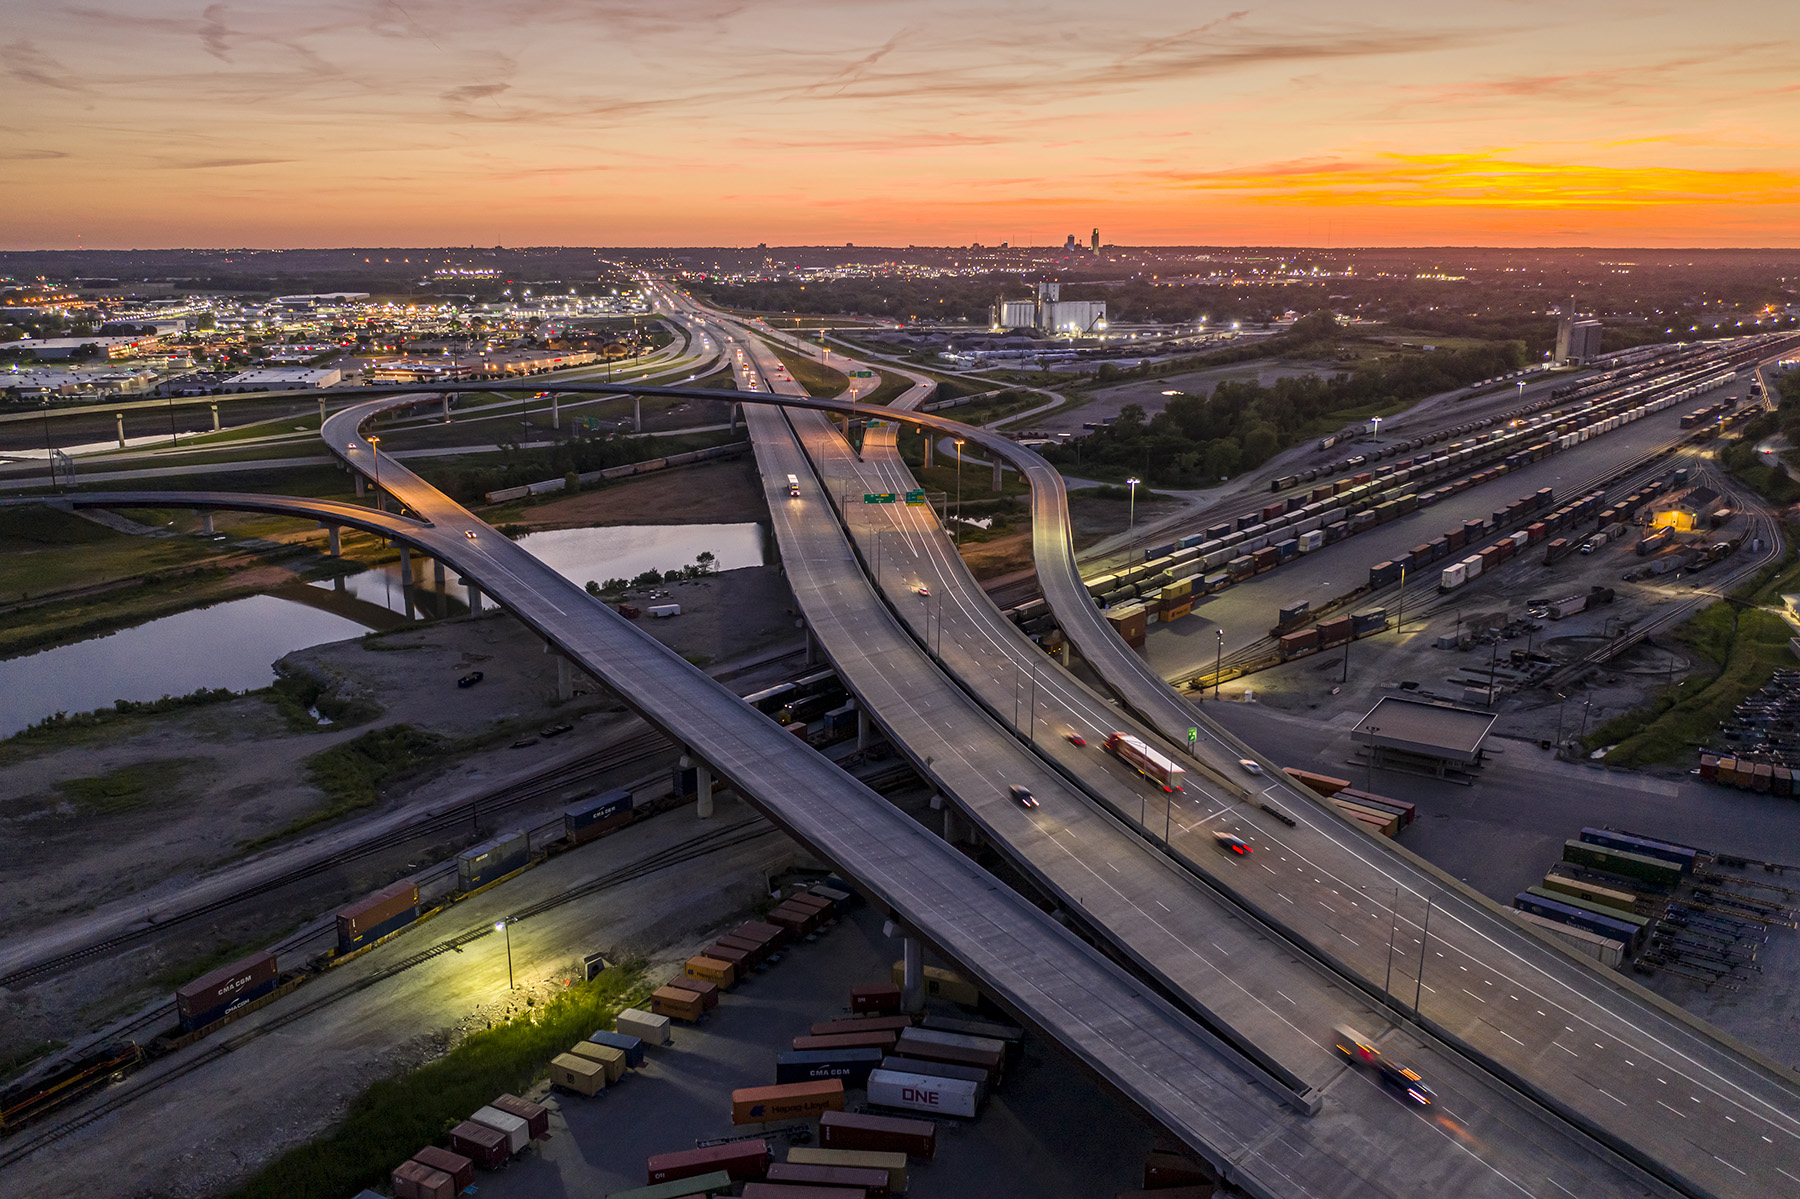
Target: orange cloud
[{"x": 1486, "y": 180}]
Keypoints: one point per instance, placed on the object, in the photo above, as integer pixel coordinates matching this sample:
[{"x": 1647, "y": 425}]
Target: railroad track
[
  {"x": 710, "y": 842},
  {"x": 623, "y": 753}
]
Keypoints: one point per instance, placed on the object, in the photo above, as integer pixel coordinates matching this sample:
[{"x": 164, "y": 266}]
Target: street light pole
[
  {"x": 959, "y": 446},
  {"x": 1132, "y": 523},
  {"x": 49, "y": 454},
  {"x": 505, "y": 927},
  {"x": 1424, "y": 940},
  {"x": 1219, "y": 664},
  {"x": 375, "y": 453}
]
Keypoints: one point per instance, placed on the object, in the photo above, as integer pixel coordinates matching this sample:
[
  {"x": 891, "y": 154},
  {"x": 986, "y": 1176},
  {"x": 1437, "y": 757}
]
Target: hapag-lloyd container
[{"x": 925, "y": 1093}]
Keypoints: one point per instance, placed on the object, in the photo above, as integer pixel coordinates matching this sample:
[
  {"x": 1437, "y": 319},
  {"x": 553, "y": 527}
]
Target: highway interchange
[{"x": 1310, "y": 913}]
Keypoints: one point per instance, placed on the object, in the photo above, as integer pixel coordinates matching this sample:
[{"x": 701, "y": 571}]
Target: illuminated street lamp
[
  {"x": 375, "y": 452},
  {"x": 504, "y": 927},
  {"x": 1376, "y": 421},
  {"x": 1219, "y": 664},
  {"x": 959, "y": 446},
  {"x": 1133, "y": 484}
]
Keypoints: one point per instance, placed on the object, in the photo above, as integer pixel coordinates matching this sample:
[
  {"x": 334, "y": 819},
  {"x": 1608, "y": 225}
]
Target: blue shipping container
[
  {"x": 1563, "y": 913},
  {"x": 631, "y": 1047},
  {"x": 596, "y": 808}
]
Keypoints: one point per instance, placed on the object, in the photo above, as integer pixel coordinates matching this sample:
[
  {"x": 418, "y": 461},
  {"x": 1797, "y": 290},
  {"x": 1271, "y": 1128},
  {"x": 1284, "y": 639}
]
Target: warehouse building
[
  {"x": 1687, "y": 511},
  {"x": 1441, "y": 740}
]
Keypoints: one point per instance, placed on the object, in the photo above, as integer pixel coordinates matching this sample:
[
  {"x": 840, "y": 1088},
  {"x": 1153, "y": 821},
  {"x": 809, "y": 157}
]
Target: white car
[{"x": 1249, "y": 766}]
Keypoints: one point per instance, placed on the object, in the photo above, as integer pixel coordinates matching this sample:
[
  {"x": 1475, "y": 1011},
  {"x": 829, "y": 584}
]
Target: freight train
[{"x": 35, "y": 1097}]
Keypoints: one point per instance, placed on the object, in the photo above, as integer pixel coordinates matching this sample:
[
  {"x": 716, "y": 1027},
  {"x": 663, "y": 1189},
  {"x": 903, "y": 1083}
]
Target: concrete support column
[
  {"x": 912, "y": 974},
  {"x": 703, "y": 801},
  {"x": 735, "y": 409},
  {"x": 337, "y": 545},
  {"x": 862, "y": 729},
  {"x": 930, "y": 444},
  {"x": 996, "y": 474},
  {"x": 120, "y": 418},
  {"x": 215, "y": 412},
  {"x": 406, "y": 574},
  {"x": 474, "y": 596},
  {"x": 956, "y": 827},
  {"x": 361, "y": 487},
  {"x": 321, "y": 410},
  {"x": 1065, "y": 653},
  {"x": 565, "y": 679},
  {"x": 813, "y": 655},
  {"x": 637, "y": 414},
  {"x": 446, "y": 399},
  {"x": 437, "y": 572},
  {"x": 555, "y": 412},
  {"x": 206, "y": 525}
]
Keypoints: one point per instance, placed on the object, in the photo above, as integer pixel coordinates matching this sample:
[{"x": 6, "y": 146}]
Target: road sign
[
  {"x": 1193, "y": 735},
  {"x": 916, "y": 498},
  {"x": 862, "y": 374},
  {"x": 878, "y": 497}
]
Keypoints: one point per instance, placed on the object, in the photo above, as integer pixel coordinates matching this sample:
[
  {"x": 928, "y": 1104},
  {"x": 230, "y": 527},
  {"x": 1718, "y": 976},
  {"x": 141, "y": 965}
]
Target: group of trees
[
  {"x": 1199, "y": 439},
  {"x": 577, "y": 455},
  {"x": 704, "y": 564}
]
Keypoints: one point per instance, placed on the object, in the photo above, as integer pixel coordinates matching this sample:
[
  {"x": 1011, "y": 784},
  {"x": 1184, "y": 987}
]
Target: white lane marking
[
  {"x": 1676, "y": 1110},
  {"x": 1612, "y": 1096},
  {"x": 1723, "y": 1162},
  {"x": 1472, "y": 995},
  {"x": 1566, "y": 1050}
]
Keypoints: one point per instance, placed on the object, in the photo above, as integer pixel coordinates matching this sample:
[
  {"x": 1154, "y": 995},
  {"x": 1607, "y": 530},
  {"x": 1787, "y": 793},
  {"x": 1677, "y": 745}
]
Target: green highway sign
[
  {"x": 1193, "y": 735},
  {"x": 915, "y": 498},
  {"x": 862, "y": 374},
  {"x": 878, "y": 497}
]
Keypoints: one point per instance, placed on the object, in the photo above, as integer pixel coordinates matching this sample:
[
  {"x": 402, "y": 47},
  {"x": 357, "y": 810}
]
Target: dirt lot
[{"x": 712, "y": 492}]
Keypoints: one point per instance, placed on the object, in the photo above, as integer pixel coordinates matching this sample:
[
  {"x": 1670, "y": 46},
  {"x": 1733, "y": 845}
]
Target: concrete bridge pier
[
  {"x": 930, "y": 441},
  {"x": 206, "y": 523},
  {"x": 119, "y": 417},
  {"x": 956, "y": 825},
  {"x": 406, "y": 573},
  {"x": 735, "y": 409},
  {"x": 862, "y": 728},
  {"x": 637, "y": 413},
  {"x": 215, "y": 412},
  {"x": 361, "y": 486},
  {"x": 474, "y": 596},
  {"x": 337, "y": 546},
  {"x": 703, "y": 785},
  {"x": 446, "y": 398},
  {"x": 321, "y": 410},
  {"x": 437, "y": 572},
  {"x": 555, "y": 412},
  {"x": 912, "y": 976},
  {"x": 813, "y": 654},
  {"x": 996, "y": 474},
  {"x": 565, "y": 679}
]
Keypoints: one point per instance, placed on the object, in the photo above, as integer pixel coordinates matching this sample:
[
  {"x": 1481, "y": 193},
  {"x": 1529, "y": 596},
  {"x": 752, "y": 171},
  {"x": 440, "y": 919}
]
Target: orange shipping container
[
  {"x": 708, "y": 993},
  {"x": 711, "y": 970},
  {"x": 795, "y": 1101},
  {"x": 876, "y": 1039},
  {"x": 676, "y": 1004}
]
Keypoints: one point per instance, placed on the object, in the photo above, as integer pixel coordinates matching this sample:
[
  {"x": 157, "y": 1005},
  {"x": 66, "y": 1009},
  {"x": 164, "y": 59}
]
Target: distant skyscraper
[
  {"x": 1070, "y": 245},
  {"x": 1094, "y": 240}
]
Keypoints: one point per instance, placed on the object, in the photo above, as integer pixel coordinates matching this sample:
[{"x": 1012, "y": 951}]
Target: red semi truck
[{"x": 1146, "y": 761}]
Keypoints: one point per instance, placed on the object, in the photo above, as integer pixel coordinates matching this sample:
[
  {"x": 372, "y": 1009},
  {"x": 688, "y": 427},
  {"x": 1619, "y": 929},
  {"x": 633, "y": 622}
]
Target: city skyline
[{"x": 798, "y": 123}]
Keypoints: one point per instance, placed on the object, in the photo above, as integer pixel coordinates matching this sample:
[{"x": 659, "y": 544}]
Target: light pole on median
[
  {"x": 504, "y": 927},
  {"x": 375, "y": 453},
  {"x": 1424, "y": 940},
  {"x": 1132, "y": 520},
  {"x": 959, "y": 446},
  {"x": 1219, "y": 664}
]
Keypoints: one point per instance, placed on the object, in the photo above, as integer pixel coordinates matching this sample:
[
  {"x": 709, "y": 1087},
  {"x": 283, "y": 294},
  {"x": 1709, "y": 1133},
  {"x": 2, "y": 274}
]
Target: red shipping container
[
  {"x": 832, "y": 1028},
  {"x": 460, "y": 1169},
  {"x": 484, "y": 1146},
  {"x": 875, "y": 997},
  {"x": 873, "y": 1182},
  {"x": 772, "y": 935},
  {"x": 416, "y": 1180},
  {"x": 805, "y": 900},
  {"x": 777, "y": 1190},
  {"x": 211, "y": 995},
  {"x": 535, "y": 1115},
  {"x": 708, "y": 992},
  {"x": 743, "y": 1160},
  {"x": 878, "y": 1039},
  {"x": 739, "y": 959},
  {"x": 757, "y": 950},
  {"x": 884, "y": 1134}
]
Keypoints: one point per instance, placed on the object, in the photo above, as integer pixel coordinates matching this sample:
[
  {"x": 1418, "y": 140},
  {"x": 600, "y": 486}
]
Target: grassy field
[
  {"x": 126, "y": 788},
  {"x": 398, "y": 1116},
  {"x": 73, "y": 728},
  {"x": 821, "y": 381},
  {"x": 1742, "y": 643},
  {"x": 892, "y": 388}
]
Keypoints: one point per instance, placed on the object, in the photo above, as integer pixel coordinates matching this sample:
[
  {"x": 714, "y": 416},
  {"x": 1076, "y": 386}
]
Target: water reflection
[{"x": 234, "y": 645}]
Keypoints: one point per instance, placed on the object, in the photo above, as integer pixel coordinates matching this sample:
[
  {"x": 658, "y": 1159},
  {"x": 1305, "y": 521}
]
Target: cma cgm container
[
  {"x": 482, "y": 864},
  {"x": 850, "y": 1065},
  {"x": 369, "y": 920},
  {"x": 596, "y": 815},
  {"x": 212, "y": 996}
]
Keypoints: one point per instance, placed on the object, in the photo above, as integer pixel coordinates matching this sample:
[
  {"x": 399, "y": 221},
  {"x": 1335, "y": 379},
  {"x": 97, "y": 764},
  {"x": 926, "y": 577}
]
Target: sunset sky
[{"x": 154, "y": 123}]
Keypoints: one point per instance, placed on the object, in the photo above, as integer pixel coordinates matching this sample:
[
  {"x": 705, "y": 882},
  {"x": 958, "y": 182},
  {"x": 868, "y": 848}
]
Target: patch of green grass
[
  {"x": 297, "y": 696},
  {"x": 397, "y": 1116},
  {"x": 892, "y": 388},
  {"x": 352, "y": 774},
  {"x": 820, "y": 381},
  {"x": 69, "y": 728},
  {"x": 1746, "y": 645},
  {"x": 126, "y": 788}
]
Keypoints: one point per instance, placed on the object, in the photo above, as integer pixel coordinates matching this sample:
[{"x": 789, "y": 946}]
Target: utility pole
[
  {"x": 1393, "y": 928},
  {"x": 1219, "y": 664},
  {"x": 1424, "y": 940},
  {"x": 1400, "y": 620}
]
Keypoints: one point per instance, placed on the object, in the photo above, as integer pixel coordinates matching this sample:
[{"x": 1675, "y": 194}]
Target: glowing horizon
[{"x": 894, "y": 122}]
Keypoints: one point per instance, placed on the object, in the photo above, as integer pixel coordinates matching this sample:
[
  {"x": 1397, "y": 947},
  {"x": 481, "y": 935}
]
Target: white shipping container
[
  {"x": 1312, "y": 541},
  {"x": 1520, "y": 540},
  {"x": 1472, "y": 566},
  {"x": 517, "y": 1132},
  {"x": 646, "y": 1026},
  {"x": 1454, "y": 576},
  {"x": 924, "y": 1093},
  {"x": 665, "y": 609}
]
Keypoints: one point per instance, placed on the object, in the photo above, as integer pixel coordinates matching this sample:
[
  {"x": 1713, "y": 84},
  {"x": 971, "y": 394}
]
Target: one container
[
  {"x": 884, "y": 1134},
  {"x": 850, "y": 1065},
  {"x": 665, "y": 609},
  {"x": 518, "y": 1132},
  {"x": 794, "y": 1101},
  {"x": 873, "y": 1183},
  {"x": 482, "y": 864},
  {"x": 677, "y": 1004},
  {"x": 484, "y": 1146},
  {"x": 632, "y": 1047},
  {"x": 535, "y": 1115},
  {"x": 651, "y": 1027},
  {"x": 368, "y": 920},
  {"x": 925, "y": 1093},
  {"x": 943, "y": 1036},
  {"x": 868, "y": 1159},
  {"x": 679, "y": 1188},
  {"x": 460, "y": 1169},
  {"x": 572, "y": 1072},
  {"x": 416, "y": 1180},
  {"x": 828, "y": 1028},
  {"x": 742, "y": 1160},
  {"x": 213, "y": 996},
  {"x": 613, "y": 1060},
  {"x": 771, "y": 934},
  {"x": 875, "y": 997}
]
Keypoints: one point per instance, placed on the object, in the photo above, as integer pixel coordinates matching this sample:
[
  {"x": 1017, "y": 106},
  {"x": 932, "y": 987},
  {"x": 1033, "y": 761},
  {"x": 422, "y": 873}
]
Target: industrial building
[
  {"x": 1577, "y": 341},
  {"x": 284, "y": 378},
  {"x": 1426, "y": 738},
  {"x": 1049, "y": 314},
  {"x": 1688, "y": 510}
]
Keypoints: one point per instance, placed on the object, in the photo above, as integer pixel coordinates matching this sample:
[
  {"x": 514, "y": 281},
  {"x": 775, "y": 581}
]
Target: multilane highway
[{"x": 1593, "y": 1046}]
